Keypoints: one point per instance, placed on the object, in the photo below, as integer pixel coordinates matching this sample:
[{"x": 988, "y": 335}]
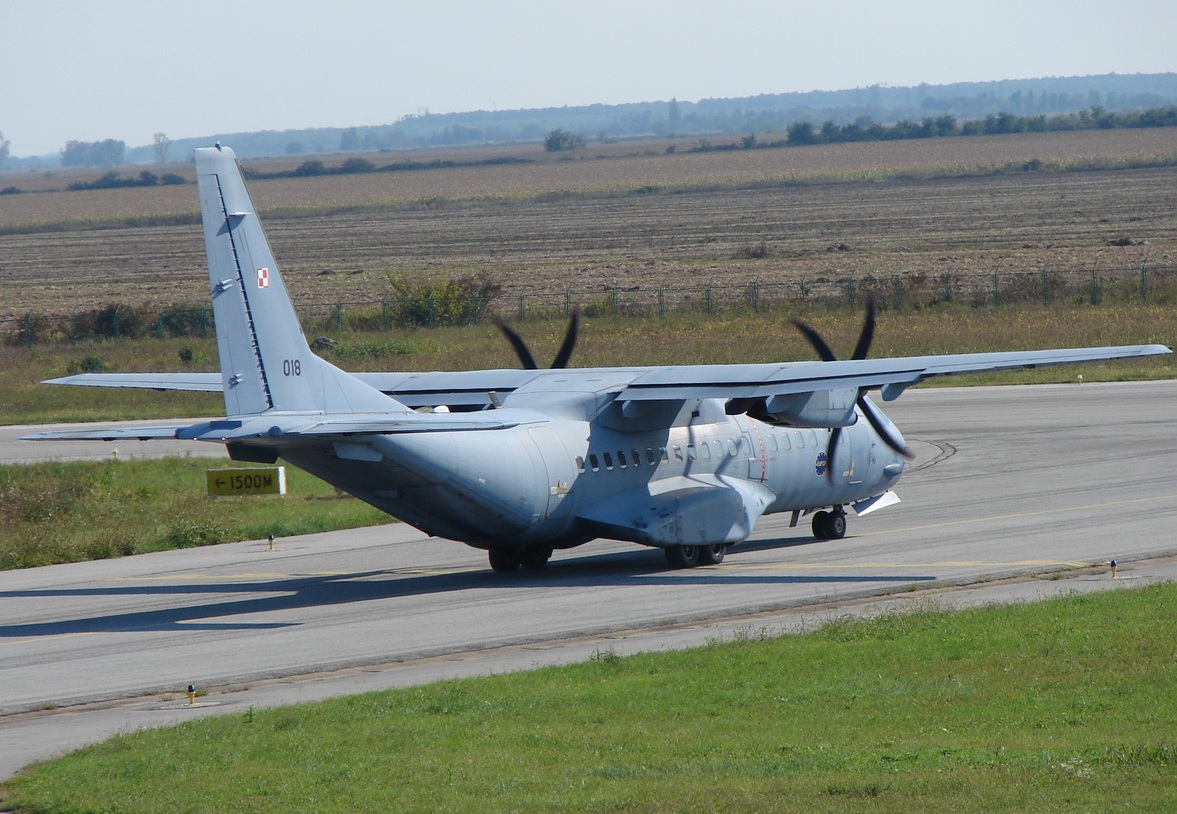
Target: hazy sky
[{"x": 125, "y": 69}]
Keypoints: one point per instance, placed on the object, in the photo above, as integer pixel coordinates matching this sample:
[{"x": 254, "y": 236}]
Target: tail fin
[{"x": 266, "y": 363}]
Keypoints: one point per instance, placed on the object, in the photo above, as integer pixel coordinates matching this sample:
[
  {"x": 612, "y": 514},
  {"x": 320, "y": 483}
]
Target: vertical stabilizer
[{"x": 266, "y": 363}]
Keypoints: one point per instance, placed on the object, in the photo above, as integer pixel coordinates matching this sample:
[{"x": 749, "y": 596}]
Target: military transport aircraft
[{"x": 521, "y": 462}]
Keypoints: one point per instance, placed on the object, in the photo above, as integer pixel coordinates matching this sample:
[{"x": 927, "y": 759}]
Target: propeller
[
  {"x": 868, "y": 409},
  {"x": 524, "y": 353}
]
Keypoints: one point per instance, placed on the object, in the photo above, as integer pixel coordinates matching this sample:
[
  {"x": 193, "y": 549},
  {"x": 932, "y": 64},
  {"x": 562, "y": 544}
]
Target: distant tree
[
  {"x": 801, "y": 133},
  {"x": 312, "y": 167},
  {"x": 559, "y": 140},
  {"x": 162, "y": 145},
  {"x": 349, "y": 140},
  {"x": 4, "y": 145},
  {"x": 106, "y": 153},
  {"x": 354, "y": 165},
  {"x": 295, "y": 148}
]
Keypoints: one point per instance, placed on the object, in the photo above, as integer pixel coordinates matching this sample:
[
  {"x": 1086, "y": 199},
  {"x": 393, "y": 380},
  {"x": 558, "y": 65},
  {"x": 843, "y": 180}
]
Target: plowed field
[{"x": 637, "y": 222}]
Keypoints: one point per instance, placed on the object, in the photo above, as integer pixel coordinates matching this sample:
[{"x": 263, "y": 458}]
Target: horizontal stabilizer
[
  {"x": 109, "y": 434},
  {"x": 191, "y": 382}
]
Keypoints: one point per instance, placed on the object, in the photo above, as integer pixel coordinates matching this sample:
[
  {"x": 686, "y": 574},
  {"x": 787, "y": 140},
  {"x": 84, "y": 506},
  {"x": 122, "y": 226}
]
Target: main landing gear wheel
[
  {"x": 690, "y": 556},
  {"x": 505, "y": 560},
  {"x": 829, "y": 525},
  {"x": 711, "y": 554},
  {"x": 536, "y": 556},
  {"x": 682, "y": 556}
]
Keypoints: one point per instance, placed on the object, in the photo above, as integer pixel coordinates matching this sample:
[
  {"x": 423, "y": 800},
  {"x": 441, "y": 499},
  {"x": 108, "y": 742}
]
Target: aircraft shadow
[{"x": 641, "y": 567}]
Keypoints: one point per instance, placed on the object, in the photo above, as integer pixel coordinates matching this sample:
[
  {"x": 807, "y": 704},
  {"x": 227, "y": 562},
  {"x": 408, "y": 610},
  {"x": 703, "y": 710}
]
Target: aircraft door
[
  {"x": 851, "y": 447},
  {"x": 560, "y": 468}
]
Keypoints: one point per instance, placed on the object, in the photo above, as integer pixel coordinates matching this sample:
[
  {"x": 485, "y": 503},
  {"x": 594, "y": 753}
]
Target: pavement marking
[{"x": 1015, "y": 515}]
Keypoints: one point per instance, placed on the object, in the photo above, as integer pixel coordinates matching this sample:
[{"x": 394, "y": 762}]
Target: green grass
[
  {"x": 1068, "y": 705},
  {"x": 67, "y": 512}
]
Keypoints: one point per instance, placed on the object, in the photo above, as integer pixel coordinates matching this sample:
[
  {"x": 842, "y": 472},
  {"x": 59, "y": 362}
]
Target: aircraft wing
[
  {"x": 473, "y": 388},
  {"x": 295, "y": 426},
  {"x": 891, "y": 375},
  {"x": 460, "y": 389}
]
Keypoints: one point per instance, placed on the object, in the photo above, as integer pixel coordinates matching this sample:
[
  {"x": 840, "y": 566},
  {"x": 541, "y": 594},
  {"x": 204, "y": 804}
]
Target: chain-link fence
[{"x": 442, "y": 303}]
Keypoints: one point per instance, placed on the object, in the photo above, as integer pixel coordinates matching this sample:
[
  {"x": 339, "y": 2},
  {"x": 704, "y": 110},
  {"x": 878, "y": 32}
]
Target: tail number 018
[{"x": 291, "y": 367}]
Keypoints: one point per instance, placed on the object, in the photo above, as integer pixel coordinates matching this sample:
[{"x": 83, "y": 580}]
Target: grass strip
[
  {"x": 1063, "y": 705},
  {"x": 85, "y": 510}
]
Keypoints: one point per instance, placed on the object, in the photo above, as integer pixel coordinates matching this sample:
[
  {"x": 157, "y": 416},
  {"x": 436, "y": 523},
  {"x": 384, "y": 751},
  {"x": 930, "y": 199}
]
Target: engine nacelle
[{"x": 821, "y": 408}]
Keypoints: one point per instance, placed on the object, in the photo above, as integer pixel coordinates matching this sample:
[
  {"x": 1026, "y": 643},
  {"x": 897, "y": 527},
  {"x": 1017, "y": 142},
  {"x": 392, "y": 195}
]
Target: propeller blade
[
  {"x": 868, "y": 332},
  {"x": 524, "y": 353},
  {"x": 565, "y": 353},
  {"x": 819, "y": 344},
  {"x": 525, "y": 357},
  {"x": 869, "y": 410}
]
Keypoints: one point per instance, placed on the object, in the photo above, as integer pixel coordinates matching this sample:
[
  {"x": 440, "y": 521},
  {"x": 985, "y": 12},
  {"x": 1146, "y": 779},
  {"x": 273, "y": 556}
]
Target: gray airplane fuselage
[{"x": 544, "y": 481}]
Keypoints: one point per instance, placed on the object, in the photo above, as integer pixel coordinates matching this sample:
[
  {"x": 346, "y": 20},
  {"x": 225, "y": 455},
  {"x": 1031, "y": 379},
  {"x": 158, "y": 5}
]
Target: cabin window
[
  {"x": 652, "y": 456},
  {"x": 665, "y": 454},
  {"x": 690, "y": 452},
  {"x": 608, "y": 460},
  {"x": 621, "y": 458},
  {"x": 705, "y": 450},
  {"x": 718, "y": 448},
  {"x": 594, "y": 463},
  {"x": 677, "y": 452},
  {"x": 785, "y": 441},
  {"x": 800, "y": 440},
  {"x": 813, "y": 437},
  {"x": 731, "y": 447},
  {"x": 772, "y": 442},
  {"x": 637, "y": 458},
  {"x": 579, "y": 464}
]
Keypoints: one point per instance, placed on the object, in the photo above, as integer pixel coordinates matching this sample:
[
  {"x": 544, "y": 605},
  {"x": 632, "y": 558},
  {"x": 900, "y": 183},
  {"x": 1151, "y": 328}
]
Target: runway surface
[{"x": 1008, "y": 481}]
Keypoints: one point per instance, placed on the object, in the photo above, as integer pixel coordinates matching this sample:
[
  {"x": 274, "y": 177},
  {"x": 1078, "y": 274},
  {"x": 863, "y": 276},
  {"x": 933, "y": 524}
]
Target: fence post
[
  {"x": 613, "y": 296},
  {"x": 850, "y": 292},
  {"x": 804, "y": 289},
  {"x": 1095, "y": 293},
  {"x": 661, "y": 299},
  {"x": 1046, "y": 286},
  {"x": 522, "y": 303},
  {"x": 1144, "y": 280},
  {"x": 385, "y": 322},
  {"x": 708, "y": 302},
  {"x": 568, "y": 303},
  {"x": 997, "y": 286},
  {"x": 948, "y": 286},
  {"x": 898, "y": 291}
]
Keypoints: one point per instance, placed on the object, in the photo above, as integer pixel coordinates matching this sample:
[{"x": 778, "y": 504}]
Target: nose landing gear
[{"x": 829, "y": 525}]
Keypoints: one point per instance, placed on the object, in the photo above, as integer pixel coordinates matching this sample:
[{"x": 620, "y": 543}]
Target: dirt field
[{"x": 729, "y": 218}]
